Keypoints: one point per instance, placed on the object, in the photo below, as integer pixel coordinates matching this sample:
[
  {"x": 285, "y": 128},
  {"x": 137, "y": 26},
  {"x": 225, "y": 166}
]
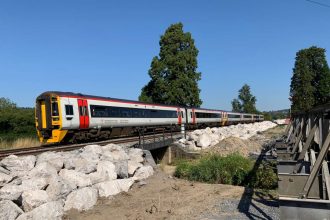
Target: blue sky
[{"x": 105, "y": 47}]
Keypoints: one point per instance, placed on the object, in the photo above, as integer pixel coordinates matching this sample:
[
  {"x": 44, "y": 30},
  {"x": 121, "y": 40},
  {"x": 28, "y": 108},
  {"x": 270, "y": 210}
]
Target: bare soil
[{"x": 163, "y": 196}]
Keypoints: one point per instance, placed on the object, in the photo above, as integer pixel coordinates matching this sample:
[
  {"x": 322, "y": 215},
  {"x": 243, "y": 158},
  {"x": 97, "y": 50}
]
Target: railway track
[{"x": 41, "y": 149}]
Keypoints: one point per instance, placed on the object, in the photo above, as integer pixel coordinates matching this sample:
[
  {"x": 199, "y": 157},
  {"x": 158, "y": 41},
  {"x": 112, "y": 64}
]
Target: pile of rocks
[
  {"x": 47, "y": 185},
  {"x": 205, "y": 138}
]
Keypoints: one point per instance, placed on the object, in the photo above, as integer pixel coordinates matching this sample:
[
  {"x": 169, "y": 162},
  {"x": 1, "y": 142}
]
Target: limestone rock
[
  {"x": 5, "y": 171},
  {"x": 81, "y": 199},
  {"x": 114, "y": 187},
  {"x": 4, "y": 178},
  {"x": 143, "y": 172},
  {"x": 114, "y": 153},
  {"x": 34, "y": 183},
  {"x": 84, "y": 166},
  {"x": 58, "y": 188},
  {"x": 9, "y": 210},
  {"x": 133, "y": 165},
  {"x": 33, "y": 198},
  {"x": 93, "y": 149},
  {"x": 53, "y": 158},
  {"x": 122, "y": 168},
  {"x": 11, "y": 192},
  {"x": 75, "y": 178},
  {"x": 48, "y": 211},
  {"x": 204, "y": 141},
  {"x": 105, "y": 171},
  {"x": 43, "y": 169},
  {"x": 15, "y": 163},
  {"x": 136, "y": 154}
]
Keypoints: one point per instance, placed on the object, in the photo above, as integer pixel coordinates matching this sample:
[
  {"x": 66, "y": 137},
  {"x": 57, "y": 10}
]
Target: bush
[
  {"x": 232, "y": 169},
  {"x": 15, "y": 122},
  {"x": 264, "y": 177}
]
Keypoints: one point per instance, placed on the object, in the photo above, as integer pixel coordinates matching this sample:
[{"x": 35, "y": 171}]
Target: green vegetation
[
  {"x": 174, "y": 76},
  {"x": 232, "y": 169},
  {"x": 279, "y": 114},
  {"x": 245, "y": 102},
  {"x": 15, "y": 122},
  {"x": 310, "y": 83}
]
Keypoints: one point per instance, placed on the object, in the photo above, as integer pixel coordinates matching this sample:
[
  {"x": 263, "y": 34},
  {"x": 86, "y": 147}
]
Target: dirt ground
[{"x": 165, "y": 197}]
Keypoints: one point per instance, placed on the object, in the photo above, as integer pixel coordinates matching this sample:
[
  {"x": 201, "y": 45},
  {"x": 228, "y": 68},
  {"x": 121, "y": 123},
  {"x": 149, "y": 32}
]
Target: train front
[{"x": 48, "y": 118}]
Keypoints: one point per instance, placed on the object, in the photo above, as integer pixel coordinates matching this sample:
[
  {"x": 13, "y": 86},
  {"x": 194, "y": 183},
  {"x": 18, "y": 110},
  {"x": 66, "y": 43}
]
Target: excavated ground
[{"x": 165, "y": 197}]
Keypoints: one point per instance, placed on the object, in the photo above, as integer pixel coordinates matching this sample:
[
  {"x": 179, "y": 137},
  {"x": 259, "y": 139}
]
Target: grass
[
  {"x": 19, "y": 143},
  {"x": 232, "y": 169}
]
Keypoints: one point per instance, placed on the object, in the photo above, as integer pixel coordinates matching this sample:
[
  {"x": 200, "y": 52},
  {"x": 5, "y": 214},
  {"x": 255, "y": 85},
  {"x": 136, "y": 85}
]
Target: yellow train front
[{"x": 48, "y": 118}]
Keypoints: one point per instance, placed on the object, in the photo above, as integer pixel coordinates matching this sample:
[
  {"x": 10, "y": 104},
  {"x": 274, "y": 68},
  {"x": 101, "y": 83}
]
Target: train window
[
  {"x": 207, "y": 115},
  {"x": 234, "y": 116},
  {"x": 54, "y": 109},
  {"x": 190, "y": 114},
  {"x": 126, "y": 113},
  {"x": 121, "y": 112},
  {"x": 182, "y": 114},
  {"x": 68, "y": 109}
]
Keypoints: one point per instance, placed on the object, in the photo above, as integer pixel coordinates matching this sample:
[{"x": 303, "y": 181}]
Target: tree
[
  {"x": 174, "y": 76},
  {"x": 310, "y": 82},
  {"x": 246, "y": 102},
  {"x": 6, "y": 104},
  {"x": 237, "y": 106}
]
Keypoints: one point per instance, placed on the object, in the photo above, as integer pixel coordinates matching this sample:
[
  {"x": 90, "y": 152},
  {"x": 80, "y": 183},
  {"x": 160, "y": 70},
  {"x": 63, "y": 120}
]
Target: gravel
[{"x": 244, "y": 208}]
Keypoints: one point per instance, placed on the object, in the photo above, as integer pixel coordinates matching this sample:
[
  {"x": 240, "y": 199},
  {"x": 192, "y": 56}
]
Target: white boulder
[
  {"x": 53, "y": 158},
  {"x": 204, "y": 141},
  {"x": 11, "y": 192},
  {"x": 75, "y": 178},
  {"x": 58, "y": 188},
  {"x": 43, "y": 169},
  {"x": 48, "y": 211},
  {"x": 133, "y": 165},
  {"x": 113, "y": 153},
  {"x": 4, "y": 178},
  {"x": 81, "y": 199},
  {"x": 143, "y": 173},
  {"x": 114, "y": 187},
  {"x": 121, "y": 168},
  {"x": 34, "y": 183},
  {"x": 33, "y": 198},
  {"x": 136, "y": 154},
  {"x": 15, "y": 163},
  {"x": 84, "y": 166},
  {"x": 9, "y": 210},
  {"x": 106, "y": 170}
]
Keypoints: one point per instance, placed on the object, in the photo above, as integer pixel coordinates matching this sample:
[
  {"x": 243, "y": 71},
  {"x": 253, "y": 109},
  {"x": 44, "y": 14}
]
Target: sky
[{"x": 105, "y": 47}]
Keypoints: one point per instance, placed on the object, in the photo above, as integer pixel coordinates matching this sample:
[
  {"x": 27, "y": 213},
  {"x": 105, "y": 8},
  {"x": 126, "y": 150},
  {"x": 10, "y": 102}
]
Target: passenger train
[{"x": 63, "y": 117}]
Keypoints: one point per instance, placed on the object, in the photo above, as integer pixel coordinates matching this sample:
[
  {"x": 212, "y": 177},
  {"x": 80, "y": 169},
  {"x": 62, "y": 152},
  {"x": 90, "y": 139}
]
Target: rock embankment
[
  {"x": 47, "y": 185},
  {"x": 209, "y": 137}
]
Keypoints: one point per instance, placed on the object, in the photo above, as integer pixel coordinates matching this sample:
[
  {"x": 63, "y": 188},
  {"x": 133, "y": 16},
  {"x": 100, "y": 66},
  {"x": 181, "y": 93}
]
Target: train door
[
  {"x": 83, "y": 114},
  {"x": 179, "y": 116},
  {"x": 193, "y": 116}
]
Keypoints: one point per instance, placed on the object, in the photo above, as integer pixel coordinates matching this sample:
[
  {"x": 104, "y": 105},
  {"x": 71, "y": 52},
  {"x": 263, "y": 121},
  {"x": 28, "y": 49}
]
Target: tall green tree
[
  {"x": 310, "y": 82},
  {"x": 246, "y": 102},
  {"x": 174, "y": 75}
]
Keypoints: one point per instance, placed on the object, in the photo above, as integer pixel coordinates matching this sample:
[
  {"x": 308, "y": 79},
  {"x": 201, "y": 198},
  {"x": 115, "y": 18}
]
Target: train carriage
[
  {"x": 69, "y": 117},
  {"x": 59, "y": 114}
]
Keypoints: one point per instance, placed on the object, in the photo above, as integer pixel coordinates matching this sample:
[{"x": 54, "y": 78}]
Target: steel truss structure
[{"x": 303, "y": 166}]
